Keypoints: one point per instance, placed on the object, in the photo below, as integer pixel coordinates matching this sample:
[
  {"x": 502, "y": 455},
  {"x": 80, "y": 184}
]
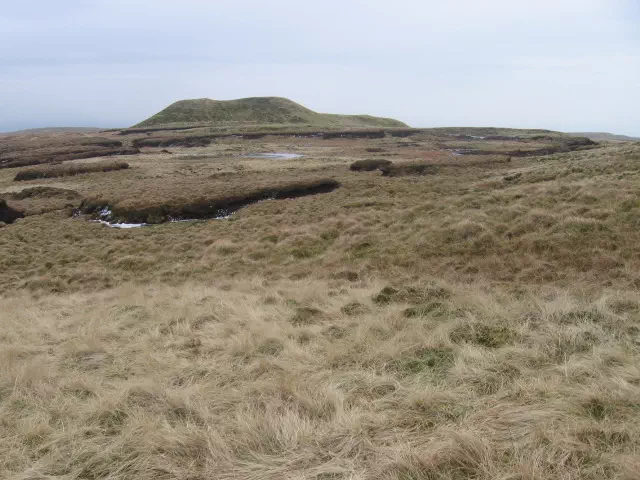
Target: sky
[{"x": 569, "y": 65}]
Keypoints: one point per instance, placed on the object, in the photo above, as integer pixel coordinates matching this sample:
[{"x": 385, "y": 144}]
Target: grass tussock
[{"x": 68, "y": 170}]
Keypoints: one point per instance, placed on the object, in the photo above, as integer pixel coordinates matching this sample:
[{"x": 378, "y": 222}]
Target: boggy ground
[{"x": 479, "y": 321}]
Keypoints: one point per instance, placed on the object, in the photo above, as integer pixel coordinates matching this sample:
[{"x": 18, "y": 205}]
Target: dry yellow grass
[
  {"x": 481, "y": 322},
  {"x": 254, "y": 379}
]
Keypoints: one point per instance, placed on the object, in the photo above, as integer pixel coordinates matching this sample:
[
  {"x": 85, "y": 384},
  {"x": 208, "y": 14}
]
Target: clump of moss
[
  {"x": 271, "y": 346},
  {"x": 354, "y": 308},
  {"x": 489, "y": 336},
  {"x": 415, "y": 295},
  {"x": 423, "y": 310},
  {"x": 335, "y": 332},
  {"x": 425, "y": 360},
  {"x": 598, "y": 409},
  {"x": 385, "y": 296},
  {"x": 306, "y": 316}
]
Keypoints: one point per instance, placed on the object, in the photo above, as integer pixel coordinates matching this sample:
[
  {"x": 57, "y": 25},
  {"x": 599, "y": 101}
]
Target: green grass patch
[
  {"x": 489, "y": 336},
  {"x": 425, "y": 360}
]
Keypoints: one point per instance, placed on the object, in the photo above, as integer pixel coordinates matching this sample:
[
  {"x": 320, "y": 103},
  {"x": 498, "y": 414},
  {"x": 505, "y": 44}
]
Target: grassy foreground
[
  {"x": 296, "y": 380},
  {"x": 480, "y": 321}
]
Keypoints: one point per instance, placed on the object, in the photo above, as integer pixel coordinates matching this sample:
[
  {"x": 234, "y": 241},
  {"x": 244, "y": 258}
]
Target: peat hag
[
  {"x": 208, "y": 208},
  {"x": 369, "y": 165},
  {"x": 67, "y": 170},
  {"x": 8, "y": 214},
  {"x": 408, "y": 169}
]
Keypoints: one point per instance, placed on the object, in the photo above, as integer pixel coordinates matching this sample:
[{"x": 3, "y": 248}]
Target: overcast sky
[{"x": 570, "y": 65}]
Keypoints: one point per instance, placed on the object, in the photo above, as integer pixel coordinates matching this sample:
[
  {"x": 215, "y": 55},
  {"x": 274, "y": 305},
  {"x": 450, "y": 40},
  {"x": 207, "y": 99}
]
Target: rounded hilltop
[{"x": 257, "y": 111}]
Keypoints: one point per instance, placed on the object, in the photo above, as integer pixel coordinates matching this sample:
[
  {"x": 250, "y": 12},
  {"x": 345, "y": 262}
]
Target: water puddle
[
  {"x": 121, "y": 225},
  {"x": 286, "y": 156},
  {"x": 105, "y": 214}
]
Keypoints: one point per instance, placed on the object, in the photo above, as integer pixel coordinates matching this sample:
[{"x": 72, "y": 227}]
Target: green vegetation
[{"x": 257, "y": 110}]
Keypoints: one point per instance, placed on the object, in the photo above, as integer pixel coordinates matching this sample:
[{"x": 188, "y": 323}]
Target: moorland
[{"x": 388, "y": 303}]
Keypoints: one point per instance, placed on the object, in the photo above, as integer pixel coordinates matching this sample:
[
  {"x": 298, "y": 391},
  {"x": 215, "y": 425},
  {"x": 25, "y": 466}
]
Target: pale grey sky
[{"x": 561, "y": 64}]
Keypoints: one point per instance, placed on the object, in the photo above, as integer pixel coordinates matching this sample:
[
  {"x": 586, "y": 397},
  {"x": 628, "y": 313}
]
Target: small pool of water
[
  {"x": 277, "y": 155},
  {"x": 105, "y": 213}
]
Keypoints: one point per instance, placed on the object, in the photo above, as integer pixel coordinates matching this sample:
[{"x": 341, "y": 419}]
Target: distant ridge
[
  {"x": 49, "y": 130},
  {"x": 605, "y": 137},
  {"x": 256, "y": 111}
]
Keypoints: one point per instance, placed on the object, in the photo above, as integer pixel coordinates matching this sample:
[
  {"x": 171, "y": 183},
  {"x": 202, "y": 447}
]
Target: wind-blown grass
[{"x": 225, "y": 382}]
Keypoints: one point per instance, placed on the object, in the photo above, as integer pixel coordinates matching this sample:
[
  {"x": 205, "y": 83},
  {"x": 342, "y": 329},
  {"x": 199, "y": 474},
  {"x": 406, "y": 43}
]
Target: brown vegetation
[
  {"x": 39, "y": 200},
  {"x": 24, "y": 150},
  {"x": 408, "y": 169},
  {"x": 264, "y": 379},
  {"x": 369, "y": 165},
  {"x": 68, "y": 170},
  {"x": 227, "y": 199},
  {"x": 478, "y": 322}
]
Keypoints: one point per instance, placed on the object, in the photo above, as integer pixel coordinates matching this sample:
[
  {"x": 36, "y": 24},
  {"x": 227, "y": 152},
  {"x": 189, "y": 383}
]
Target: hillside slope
[{"x": 257, "y": 110}]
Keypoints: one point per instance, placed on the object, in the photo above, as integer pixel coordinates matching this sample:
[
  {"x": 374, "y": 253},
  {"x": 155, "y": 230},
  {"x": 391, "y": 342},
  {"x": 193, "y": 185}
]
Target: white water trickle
[
  {"x": 121, "y": 225},
  {"x": 104, "y": 213},
  {"x": 287, "y": 156}
]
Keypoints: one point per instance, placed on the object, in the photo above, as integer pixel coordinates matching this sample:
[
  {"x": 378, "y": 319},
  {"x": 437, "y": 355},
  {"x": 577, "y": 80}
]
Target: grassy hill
[{"x": 257, "y": 110}]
